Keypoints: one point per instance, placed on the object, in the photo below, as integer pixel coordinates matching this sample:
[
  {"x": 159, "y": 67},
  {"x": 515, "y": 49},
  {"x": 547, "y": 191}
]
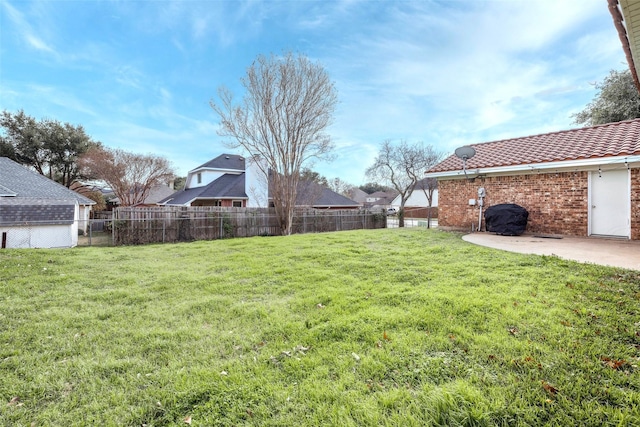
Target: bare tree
[
  {"x": 401, "y": 166},
  {"x": 340, "y": 186},
  {"x": 282, "y": 119},
  {"x": 131, "y": 176},
  {"x": 428, "y": 186}
]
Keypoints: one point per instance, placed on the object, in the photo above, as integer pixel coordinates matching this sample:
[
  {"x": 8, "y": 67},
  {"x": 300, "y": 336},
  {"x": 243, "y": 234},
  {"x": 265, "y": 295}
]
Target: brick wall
[{"x": 557, "y": 202}]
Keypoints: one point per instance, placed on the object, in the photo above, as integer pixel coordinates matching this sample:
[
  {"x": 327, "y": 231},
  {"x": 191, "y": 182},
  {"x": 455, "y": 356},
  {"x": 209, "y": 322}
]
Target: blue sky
[{"x": 139, "y": 75}]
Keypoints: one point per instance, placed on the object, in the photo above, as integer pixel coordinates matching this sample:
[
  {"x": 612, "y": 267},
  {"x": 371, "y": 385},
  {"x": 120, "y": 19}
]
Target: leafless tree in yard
[
  {"x": 288, "y": 105},
  {"x": 131, "y": 176},
  {"x": 428, "y": 186},
  {"x": 401, "y": 166}
]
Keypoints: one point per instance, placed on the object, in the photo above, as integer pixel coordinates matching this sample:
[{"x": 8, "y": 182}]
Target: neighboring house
[
  {"x": 232, "y": 181},
  {"x": 380, "y": 199},
  {"x": 219, "y": 182},
  {"x": 418, "y": 199},
  {"x": 36, "y": 212},
  {"x": 580, "y": 182},
  {"x": 311, "y": 194},
  {"x": 357, "y": 195}
]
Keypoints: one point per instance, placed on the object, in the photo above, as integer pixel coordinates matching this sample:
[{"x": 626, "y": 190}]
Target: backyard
[{"x": 397, "y": 327}]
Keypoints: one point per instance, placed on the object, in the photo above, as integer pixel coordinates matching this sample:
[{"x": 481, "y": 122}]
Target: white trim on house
[{"x": 582, "y": 164}]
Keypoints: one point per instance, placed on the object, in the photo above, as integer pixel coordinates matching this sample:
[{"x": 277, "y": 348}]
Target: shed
[{"x": 36, "y": 212}]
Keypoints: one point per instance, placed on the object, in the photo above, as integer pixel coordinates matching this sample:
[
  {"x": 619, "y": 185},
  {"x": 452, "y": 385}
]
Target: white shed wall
[{"x": 41, "y": 236}]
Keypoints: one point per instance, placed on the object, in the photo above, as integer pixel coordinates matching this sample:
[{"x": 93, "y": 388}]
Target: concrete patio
[{"x": 596, "y": 250}]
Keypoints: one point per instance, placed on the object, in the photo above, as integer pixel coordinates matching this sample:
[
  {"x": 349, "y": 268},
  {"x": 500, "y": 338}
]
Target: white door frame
[{"x": 627, "y": 202}]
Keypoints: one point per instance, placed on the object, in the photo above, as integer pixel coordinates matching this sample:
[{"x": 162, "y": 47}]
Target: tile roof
[
  {"x": 608, "y": 140},
  {"x": 27, "y": 211},
  {"x": 228, "y": 186},
  {"x": 30, "y": 184},
  {"x": 225, "y": 161}
]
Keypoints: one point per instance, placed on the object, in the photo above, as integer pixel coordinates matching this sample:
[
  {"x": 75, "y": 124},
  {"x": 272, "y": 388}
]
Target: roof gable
[
  {"x": 224, "y": 162},
  {"x": 25, "y": 183},
  {"x": 608, "y": 140},
  {"x": 228, "y": 186}
]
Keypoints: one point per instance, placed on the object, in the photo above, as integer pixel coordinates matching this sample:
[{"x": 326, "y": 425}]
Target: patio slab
[{"x": 596, "y": 250}]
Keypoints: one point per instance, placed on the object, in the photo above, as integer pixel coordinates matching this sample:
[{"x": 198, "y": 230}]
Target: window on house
[
  {"x": 237, "y": 204},
  {"x": 217, "y": 203},
  {"x": 199, "y": 178}
]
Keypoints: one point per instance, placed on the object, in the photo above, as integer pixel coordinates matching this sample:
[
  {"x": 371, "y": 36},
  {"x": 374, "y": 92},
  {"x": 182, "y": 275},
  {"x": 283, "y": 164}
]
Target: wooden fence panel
[{"x": 170, "y": 224}]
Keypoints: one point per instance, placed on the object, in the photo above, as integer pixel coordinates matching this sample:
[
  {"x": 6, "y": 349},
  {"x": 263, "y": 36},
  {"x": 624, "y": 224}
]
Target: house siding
[{"x": 557, "y": 202}]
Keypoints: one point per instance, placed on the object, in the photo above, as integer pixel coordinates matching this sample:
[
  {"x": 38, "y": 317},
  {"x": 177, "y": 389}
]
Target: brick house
[{"x": 579, "y": 182}]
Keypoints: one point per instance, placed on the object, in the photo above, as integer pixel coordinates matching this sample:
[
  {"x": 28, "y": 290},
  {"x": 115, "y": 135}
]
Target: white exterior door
[{"x": 610, "y": 199}]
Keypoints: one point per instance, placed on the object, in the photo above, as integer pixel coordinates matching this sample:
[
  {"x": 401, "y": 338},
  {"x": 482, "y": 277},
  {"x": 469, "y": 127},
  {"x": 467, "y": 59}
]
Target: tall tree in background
[
  {"x": 48, "y": 146},
  {"x": 131, "y": 176},
  {"x": 307, "y": 174},
  {"x": 617, "y": 100},
  {"x": 372, "y": 187},
  {"x": 401, "y": 166},
  {"x": 282, "y": 119}
]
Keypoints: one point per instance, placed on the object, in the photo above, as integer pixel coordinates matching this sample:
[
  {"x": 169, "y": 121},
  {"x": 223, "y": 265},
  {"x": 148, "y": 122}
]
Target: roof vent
[{"x": 226, "y": 157}]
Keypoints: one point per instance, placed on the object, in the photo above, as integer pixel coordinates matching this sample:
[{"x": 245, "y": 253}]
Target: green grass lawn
[{"x": 398, "y": 327}]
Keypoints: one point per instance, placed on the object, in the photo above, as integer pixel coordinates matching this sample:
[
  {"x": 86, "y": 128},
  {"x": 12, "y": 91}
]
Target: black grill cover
[{"x": 507, "y": 219}]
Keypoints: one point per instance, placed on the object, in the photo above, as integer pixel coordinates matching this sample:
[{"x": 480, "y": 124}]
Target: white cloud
[
  {"x": 473, "y": 68},
  {"x": 60, "y": 97},
  {"x": 25, "y": 30}
]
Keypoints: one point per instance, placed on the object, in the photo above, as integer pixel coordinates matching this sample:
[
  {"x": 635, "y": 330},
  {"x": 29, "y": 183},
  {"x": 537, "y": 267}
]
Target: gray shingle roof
[
  {"x": 228, "y": 186},
  {"x": 225, "y": 161},
  {"x": 331, "y": 198},
  {"x": 26, "y": 211},
  {"x": 4, "y": 191},
  {"x": 25, "y": 183},
  {"x": 313, "y": 194}
]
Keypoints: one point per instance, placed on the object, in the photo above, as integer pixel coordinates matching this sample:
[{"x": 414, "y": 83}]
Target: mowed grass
[{"x": 397, "y": 327}]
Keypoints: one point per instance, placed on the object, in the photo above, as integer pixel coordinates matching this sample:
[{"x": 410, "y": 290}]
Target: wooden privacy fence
[{"x": 134, "y": 226}]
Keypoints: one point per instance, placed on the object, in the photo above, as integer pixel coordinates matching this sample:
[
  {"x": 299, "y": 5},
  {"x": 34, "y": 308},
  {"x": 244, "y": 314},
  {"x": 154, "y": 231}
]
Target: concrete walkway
[{"x": 596, "y": 250}]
